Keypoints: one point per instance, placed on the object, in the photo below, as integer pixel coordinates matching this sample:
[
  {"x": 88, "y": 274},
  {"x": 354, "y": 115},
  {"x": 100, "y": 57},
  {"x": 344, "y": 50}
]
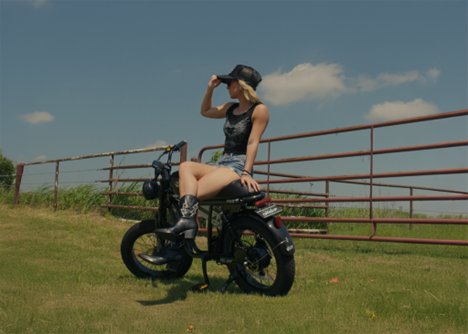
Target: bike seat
[{"x": 234, "y": 190}]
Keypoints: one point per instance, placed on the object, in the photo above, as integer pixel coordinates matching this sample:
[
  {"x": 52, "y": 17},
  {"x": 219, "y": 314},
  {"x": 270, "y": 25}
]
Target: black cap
[{"x": 244, "y": 73}]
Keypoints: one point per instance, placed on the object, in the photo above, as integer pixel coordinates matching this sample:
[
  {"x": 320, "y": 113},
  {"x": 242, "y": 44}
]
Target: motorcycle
[{"x": 250, "y": 239}]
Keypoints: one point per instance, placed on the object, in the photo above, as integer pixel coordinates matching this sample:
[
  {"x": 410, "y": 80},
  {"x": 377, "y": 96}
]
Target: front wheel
[
  {"x": 265, "y": 270},
  {"x": 141, "y": 239}
]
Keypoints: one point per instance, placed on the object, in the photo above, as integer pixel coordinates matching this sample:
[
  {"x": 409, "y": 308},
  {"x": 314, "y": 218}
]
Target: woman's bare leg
[
  {"x": 203, "y": 181},
  {"x": 213, "y": 182},
  {"x": 197, "y": 182},
  {"x": 189, "y": 174}
]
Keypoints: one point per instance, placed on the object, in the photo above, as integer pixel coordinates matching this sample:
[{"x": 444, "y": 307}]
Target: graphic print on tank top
[
  {"x": 236, "y": 133},
  {"x": 237, "y": 130}
]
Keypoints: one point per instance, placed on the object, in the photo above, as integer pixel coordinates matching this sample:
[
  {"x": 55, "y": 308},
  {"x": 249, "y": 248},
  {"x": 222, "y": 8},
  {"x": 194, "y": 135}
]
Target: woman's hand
[
  {"x": 251, "y": 183},
  {"x": 214, "y": 82}
]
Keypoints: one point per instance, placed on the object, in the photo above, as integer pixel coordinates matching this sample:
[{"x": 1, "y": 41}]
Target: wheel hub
[{"x": 259, "y": 259}]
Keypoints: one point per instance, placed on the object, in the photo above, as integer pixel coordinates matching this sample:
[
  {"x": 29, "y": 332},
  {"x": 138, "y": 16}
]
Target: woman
[{"x": 245, "y": 123}]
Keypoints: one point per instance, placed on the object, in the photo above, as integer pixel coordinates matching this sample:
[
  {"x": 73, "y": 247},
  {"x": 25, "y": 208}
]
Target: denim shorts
[{"x": 234, "y": 162}]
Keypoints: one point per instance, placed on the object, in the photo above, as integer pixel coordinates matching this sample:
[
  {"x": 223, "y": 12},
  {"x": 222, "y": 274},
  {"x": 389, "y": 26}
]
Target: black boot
[
  {"x": 172, "y": 252},
  {"x": 186, "y": 226}
]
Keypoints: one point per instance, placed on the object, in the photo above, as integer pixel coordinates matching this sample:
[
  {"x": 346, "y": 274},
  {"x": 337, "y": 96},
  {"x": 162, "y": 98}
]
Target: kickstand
[
  {"x": 231, "y": 278},
  {"x": 202, "y": 286}
]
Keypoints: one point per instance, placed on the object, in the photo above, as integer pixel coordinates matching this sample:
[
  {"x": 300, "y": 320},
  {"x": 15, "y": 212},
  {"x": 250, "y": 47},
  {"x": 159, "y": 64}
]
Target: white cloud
[
  {"x": 304, "y": 82},
  {"x": 39, "y": 3},
  {"x": 38, "y": 117},
  {"x": 39, "y": 158},
  {"x": 324, "y": 81},
  {"x": 36, "y": 3},
  {"x": 369, "y": 84},
  {"x": 157, "y": 144},
  {"x": 385, "y": 79},
  {"x": 398, "y": 109},
  {"x": 432, "y": 74}
]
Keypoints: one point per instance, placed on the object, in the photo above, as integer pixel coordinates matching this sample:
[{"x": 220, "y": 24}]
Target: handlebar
[
  {"x": 180, "y": 145},
  {"x": 170, "y": 150}
]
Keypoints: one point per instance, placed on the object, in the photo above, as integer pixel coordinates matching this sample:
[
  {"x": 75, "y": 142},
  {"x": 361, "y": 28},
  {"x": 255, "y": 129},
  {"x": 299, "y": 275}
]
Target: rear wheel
[
  {"x": 265, "y": 270},
  {"x": 141, "y": 239}
]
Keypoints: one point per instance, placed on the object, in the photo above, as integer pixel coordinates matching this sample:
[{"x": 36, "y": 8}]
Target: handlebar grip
[{"x": 181, "y": 144}]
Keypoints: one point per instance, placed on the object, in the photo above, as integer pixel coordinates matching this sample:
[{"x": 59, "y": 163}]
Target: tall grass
[
  {"x": 88, "y": 198},
  {"x": 84, "y": 199},
  {"x": 301, "y": 212}
]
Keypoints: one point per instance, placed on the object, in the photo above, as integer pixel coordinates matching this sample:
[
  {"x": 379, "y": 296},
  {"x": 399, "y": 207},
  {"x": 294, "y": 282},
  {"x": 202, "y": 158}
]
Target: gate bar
[
  {"x": 367, "y": 176},
  {"x": 383, "y": 239}
]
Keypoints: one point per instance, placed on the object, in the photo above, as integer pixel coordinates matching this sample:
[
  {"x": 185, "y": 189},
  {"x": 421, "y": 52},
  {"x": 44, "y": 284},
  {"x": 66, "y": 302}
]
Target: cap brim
[{"x": 225, "y": 78}]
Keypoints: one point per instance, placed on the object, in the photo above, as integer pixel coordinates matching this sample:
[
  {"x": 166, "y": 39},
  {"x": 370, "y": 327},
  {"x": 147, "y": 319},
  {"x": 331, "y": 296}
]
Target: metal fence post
[
  {"x": 111, "y": 173},
  {"x": 56, "y": 185},
  {"x": 371, "y": 209},
  {"x": 183, "y": 153},
  {"x": 327, "y": 192},
  {"x": 411, "y": 208},
  {"x": 19, "y": 175},
  {"x": 268, "y": 176}
]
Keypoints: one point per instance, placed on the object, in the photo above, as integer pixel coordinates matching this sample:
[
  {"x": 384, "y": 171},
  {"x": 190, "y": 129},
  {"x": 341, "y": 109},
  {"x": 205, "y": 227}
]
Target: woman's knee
[
  {"x": 189, "y": 168},
  {"x": 194, "y": 168},
  {"x": 186, "y": 167}
]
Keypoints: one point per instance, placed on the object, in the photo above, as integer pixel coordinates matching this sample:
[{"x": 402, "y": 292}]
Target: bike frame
[{"x": 232, "y": 207}]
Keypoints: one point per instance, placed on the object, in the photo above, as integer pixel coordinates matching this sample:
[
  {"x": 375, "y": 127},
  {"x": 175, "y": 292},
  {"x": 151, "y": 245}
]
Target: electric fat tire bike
[{"x": 250, "y": 240}]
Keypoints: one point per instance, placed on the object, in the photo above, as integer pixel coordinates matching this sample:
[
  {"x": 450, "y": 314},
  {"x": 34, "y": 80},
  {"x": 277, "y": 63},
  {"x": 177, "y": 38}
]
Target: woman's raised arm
[{"x": 207, "y": 108}]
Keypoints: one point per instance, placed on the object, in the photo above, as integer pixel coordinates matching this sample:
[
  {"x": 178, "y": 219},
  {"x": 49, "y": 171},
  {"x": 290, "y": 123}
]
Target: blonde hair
[{"x": 249, "y": 92}]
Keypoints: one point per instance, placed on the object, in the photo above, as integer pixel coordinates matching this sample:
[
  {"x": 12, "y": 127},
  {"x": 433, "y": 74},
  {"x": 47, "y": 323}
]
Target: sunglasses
[{"x": 229, "y": 82}]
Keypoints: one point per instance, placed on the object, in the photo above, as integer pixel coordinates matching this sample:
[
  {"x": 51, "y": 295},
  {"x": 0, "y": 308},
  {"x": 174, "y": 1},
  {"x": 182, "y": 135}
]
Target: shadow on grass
[{"x": 179, "y": 289}]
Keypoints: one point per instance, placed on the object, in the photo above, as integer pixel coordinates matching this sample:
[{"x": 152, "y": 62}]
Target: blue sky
[{"x": 86, "y": 77}]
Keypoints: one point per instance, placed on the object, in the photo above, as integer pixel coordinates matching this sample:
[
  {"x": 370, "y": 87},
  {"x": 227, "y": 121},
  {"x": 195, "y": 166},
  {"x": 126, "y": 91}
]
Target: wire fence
[
  {"x": 114, "y": 173},
  {"x": 325, "y": 200},
  {"x": 94, "y": 182}
]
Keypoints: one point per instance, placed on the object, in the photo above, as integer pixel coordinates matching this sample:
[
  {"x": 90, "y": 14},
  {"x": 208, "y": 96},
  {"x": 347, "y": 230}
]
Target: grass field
[{"x": 62, "y": 273}]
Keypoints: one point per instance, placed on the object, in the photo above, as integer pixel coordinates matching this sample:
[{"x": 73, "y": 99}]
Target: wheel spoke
[
  {"x": 146, "y": 244},
  {"x": 263, "y": 278},
  {"x": 262, "y": 270},
  {"x": 141, "y": 239}
]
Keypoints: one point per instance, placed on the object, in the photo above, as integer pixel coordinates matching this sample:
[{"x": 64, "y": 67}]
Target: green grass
[
  {"x": 62, "y": 273},
  {"x": 84, "y": 198}
]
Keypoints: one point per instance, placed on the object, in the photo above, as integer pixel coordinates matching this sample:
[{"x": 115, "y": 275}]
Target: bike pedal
[{"x": 200, "y": 287}]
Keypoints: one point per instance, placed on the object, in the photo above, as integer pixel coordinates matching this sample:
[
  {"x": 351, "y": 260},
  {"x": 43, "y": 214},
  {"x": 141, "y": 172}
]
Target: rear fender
[{"x": 281, "y": 234}]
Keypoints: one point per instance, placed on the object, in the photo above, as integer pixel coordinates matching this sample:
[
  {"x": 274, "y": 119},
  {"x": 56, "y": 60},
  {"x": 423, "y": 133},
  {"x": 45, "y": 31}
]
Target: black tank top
[{"x": 237, "y": 130}]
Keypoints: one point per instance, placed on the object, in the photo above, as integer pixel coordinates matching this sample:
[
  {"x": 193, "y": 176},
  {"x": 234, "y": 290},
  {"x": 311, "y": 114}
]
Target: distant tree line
[{"x": 7, "y": 171}]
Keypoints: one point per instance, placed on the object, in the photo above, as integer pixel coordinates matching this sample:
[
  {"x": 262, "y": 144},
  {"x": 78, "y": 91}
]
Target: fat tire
[
  {"x": 140, "y": 268},
  {"x": 285, "y": 265}
]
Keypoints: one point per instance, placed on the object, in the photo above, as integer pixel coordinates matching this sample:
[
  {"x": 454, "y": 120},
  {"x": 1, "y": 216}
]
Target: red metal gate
[{"x": 287, "y": 178}]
